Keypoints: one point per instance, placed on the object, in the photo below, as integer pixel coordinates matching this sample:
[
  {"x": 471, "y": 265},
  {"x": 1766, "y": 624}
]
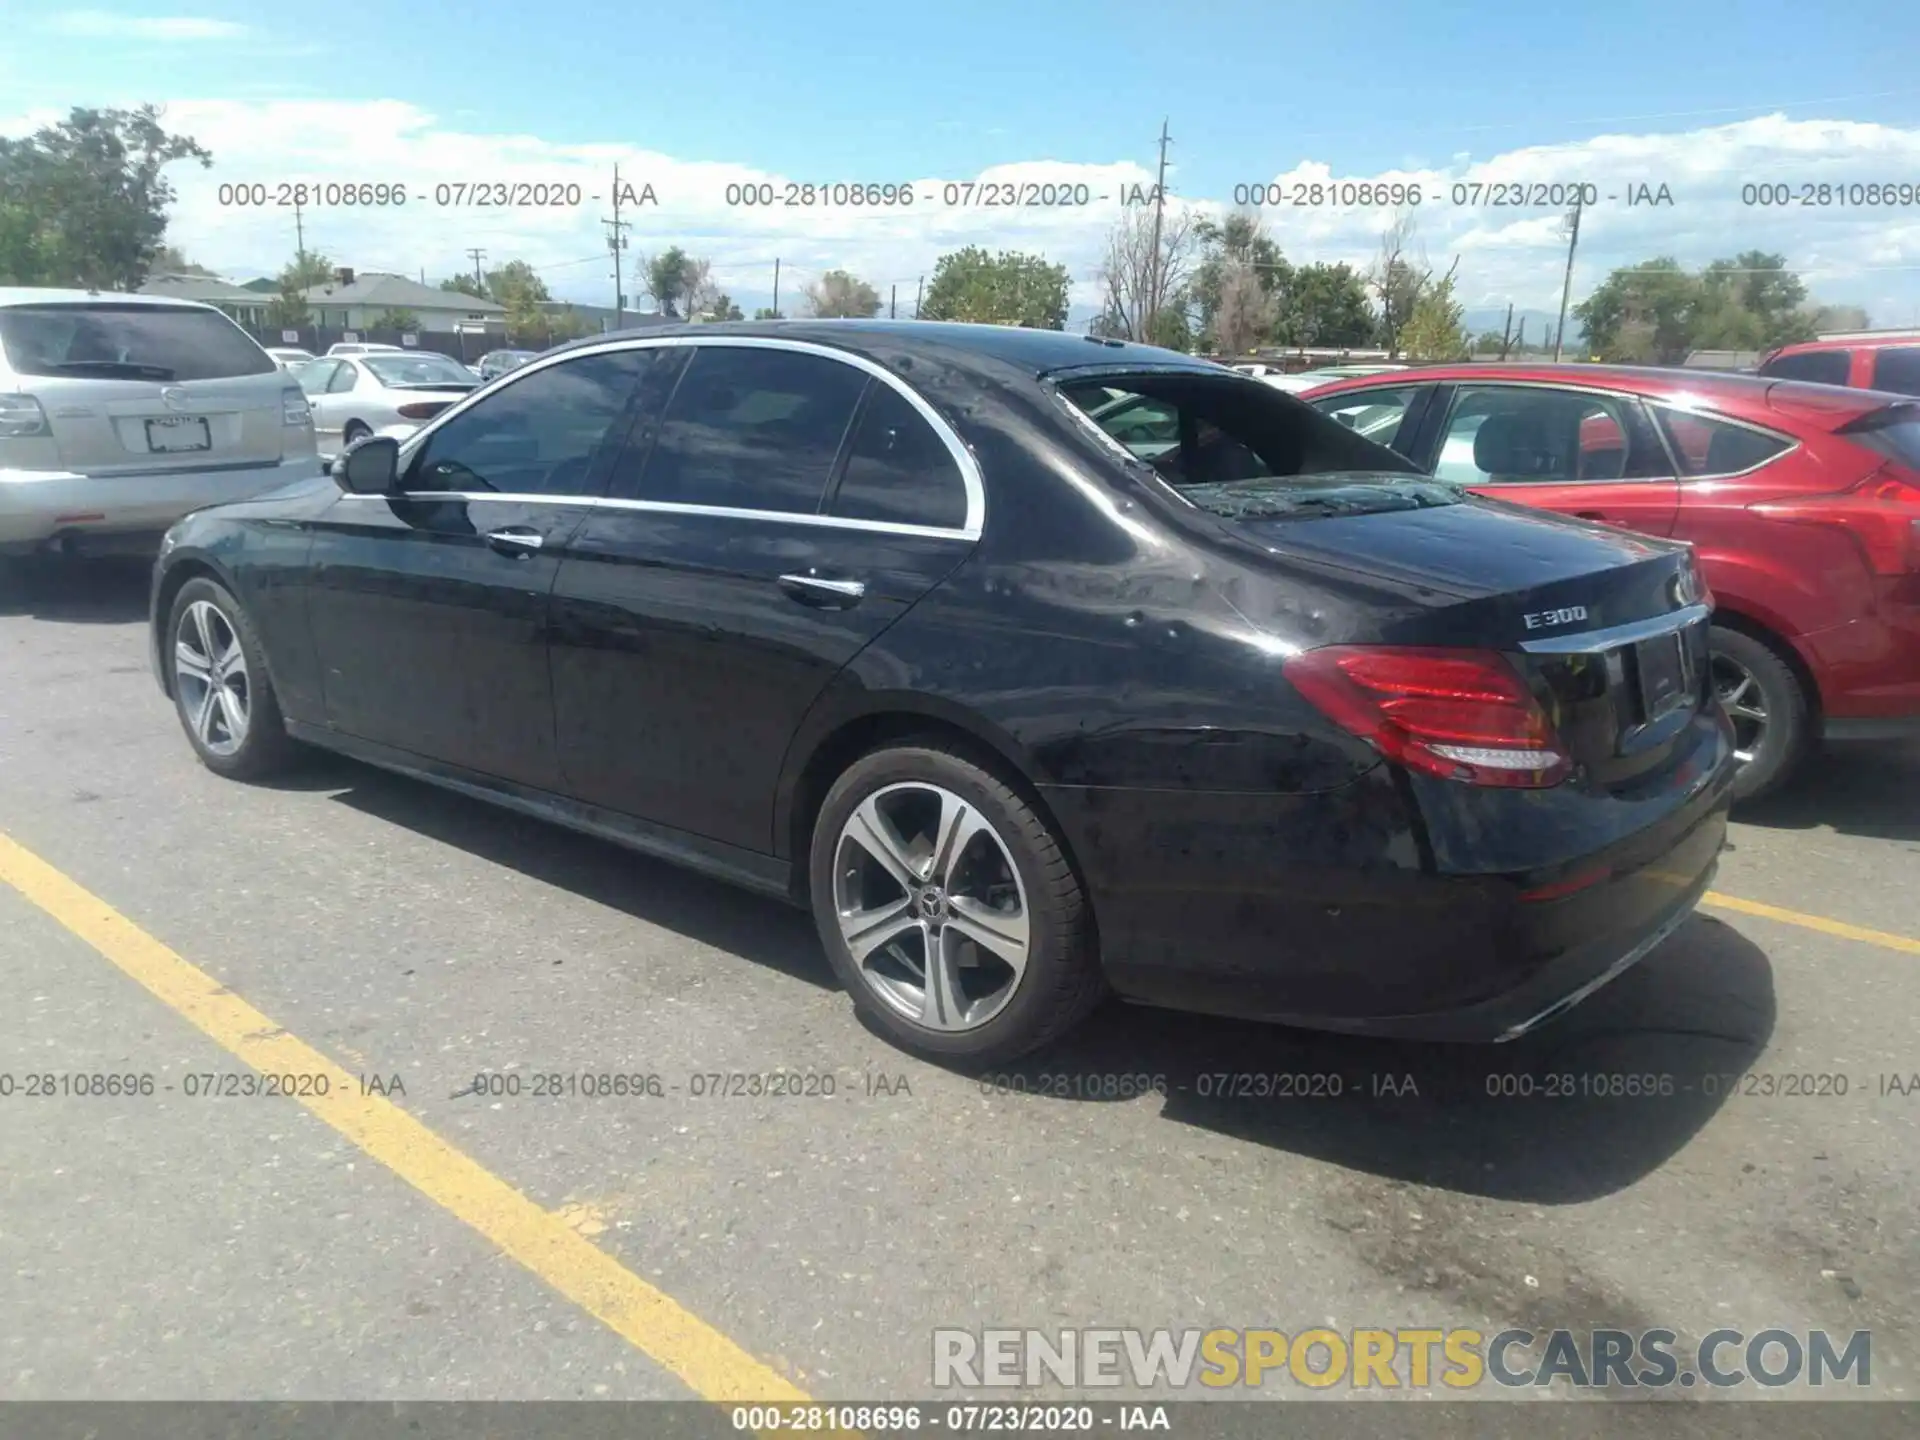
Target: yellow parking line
[
  {"x": 1884, "y": 938},
  {"x": 548, "y": 1245}
]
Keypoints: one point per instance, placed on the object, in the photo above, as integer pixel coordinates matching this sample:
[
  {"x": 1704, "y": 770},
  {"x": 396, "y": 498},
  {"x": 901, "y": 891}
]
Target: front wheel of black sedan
[
  {"x": 220, "y": 685},
  {"x": 948, "y": 908}
]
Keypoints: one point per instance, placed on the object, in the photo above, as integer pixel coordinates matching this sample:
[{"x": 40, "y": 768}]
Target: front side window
[
  {"x": 536, "y": 435},
  {"x": 315, "y": 375},
  {"x": 1518, "y": 435},
  {"x": 1376, "y": 414},
  {"x": 899, "y": 469},
  {"x": 1822, "y": 367},
  {"x": 1706, "y": 446},
  {"x": 752, "y": 429}
]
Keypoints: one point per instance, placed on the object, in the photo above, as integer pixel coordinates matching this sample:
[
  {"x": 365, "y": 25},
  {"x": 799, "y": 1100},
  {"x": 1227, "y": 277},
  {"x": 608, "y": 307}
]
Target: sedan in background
[
  {"x": 889, "y": 620},
  {"x": 289, "y": 357},
  {"x": 365, "y": 347},
  {"x": 385, "y": 392},
  {"x": 1802, "y": 501},
  {"x": 495, "y": 363}
]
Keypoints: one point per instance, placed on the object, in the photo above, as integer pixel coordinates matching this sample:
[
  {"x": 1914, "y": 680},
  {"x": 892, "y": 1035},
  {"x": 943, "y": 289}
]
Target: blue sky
[{"x": 869, "y": 91}]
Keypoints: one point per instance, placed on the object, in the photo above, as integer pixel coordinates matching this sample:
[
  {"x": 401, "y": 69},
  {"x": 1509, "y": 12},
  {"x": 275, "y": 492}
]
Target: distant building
[
  {"x": 603, "y": 318},
  {"x": 1722, "y": 360},
  {"x": 249, "y": 307},
  {"x": 355, "y": 303}
]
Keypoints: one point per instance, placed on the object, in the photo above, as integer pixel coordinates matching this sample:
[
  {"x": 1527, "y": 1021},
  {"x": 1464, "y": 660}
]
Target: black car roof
[{"x": 1037, "y": 352}]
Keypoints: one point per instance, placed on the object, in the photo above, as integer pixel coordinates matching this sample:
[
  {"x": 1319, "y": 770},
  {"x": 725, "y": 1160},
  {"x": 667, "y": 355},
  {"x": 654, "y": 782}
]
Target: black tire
[
  {"x": 1061, "y": 982},
  {"x": 1783, "y": 742},
  {"x": 265, "y": 748}
]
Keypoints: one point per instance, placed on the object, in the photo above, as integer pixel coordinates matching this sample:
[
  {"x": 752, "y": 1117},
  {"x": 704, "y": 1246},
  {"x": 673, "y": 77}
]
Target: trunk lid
[
  {"x": 131, "y": 388},
  {"x": 1608, "y": 628}
]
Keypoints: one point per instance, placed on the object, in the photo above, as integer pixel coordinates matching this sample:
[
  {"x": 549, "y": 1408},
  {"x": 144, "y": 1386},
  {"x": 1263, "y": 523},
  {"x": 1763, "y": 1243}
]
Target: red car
[
  {"x": 1802, "y": 501},
  {"x": 1888, "y": 362}
]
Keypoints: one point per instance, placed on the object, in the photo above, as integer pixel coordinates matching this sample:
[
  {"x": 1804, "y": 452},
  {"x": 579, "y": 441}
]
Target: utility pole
[
  {"x": 1520, "y": 340},
  {"x": 1566, "y": 285},
  {"x": 1156, "y": 279},
  {"x": 893, "y": 303},
  {"x": 776, "y": 287},
  {"x": 919, "y": 286},
  {"x": 478, "y": 278},
  {"x": 300, "y": 238},
  {"x": 616, "y": 245},
  {"x": 1506, "y": 331}
]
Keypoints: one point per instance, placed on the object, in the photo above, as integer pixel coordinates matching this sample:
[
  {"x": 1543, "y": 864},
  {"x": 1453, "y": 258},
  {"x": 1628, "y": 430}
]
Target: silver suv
[{"x": 121, "y": 413}]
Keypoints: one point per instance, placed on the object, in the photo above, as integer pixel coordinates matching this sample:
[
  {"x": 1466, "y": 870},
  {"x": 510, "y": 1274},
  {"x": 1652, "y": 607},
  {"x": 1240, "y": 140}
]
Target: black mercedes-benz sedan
[{"x": 1038, "y": 666}]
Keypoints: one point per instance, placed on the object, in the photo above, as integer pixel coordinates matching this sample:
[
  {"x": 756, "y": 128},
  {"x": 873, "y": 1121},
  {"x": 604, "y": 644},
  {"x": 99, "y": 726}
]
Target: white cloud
[
  {"x": 1847, "y": 252},
  {"x": 103, "y": 25}
]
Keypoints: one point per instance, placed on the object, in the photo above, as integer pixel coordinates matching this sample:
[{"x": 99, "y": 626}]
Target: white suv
[{"x": 121, "y": 413}]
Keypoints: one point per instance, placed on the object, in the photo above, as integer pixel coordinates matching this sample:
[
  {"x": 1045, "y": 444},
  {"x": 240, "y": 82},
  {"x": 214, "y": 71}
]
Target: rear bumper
[
  {"x": 1320, "y": 910},
  {"x": 36, "y": 506}
]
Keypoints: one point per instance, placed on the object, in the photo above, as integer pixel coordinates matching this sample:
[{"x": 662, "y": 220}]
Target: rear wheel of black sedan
[
  {"x": 948, "y": 908},
  {"x": 218, "y": 675}
]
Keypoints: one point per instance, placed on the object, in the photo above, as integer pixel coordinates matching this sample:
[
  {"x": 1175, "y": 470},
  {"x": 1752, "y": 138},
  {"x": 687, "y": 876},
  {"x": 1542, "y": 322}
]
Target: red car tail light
[
  {"x": 1460, "y": 714},
  {"x": 1882, "y": 513}
]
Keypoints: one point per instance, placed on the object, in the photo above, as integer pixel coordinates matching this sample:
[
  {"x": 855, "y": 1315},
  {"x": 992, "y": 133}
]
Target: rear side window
[
  {"x": 314, "y": 375},
  {"x": 1897, "y": 370},
  {"x": 898, "y": 468},
  {"x": 344, "y": 378},
  {"x": 1376, "y": 414},
  {"x": 1823, "y": 367},
  {"x": 752, "y": 429},
  {"x": 1517, "y": 435},
  {"x": 138, "y": 342},
  {"x": 1705, "y": 446}
]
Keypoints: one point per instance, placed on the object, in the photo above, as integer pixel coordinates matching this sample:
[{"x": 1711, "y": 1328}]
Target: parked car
[
  {"x": 386, "y": 392},
  {"x": 496, "y": 363},
  {"x": 1803, "y": 502},
  {"x": 289, "y": 358},
  {"x": 120, "y": 413},
  {"x": 358, "y": 347},
  {"x": 1865, "y": 362},
  {"x": 876, "y": 618}
]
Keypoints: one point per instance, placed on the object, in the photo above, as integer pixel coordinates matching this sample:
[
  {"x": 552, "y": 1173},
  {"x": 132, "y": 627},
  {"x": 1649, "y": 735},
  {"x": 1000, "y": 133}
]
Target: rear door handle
[
  {"x": 823, "y": 591},
  {"x": 516, "y": 540}
]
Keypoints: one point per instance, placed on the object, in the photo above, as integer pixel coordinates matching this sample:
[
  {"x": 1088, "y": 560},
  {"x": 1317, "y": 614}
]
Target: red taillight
[
  {"x": 422, "y": 410},
  {"x": 1459, "y": 714},
  {"x": 1882, "y": 513}
]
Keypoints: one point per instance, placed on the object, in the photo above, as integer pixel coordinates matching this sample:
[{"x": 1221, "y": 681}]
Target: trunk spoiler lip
[{"x": 1615, "y": 637}]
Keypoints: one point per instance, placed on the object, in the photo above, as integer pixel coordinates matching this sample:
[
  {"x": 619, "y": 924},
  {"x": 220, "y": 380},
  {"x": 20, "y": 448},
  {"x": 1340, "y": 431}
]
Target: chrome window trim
[
  {"x": 674, "y": 507},
  {"x": 1614, "y": 637},
  {"x": 970, "y": 477}
]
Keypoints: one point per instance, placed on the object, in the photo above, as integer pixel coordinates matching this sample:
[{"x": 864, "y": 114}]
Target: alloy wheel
[
  {"x": 931, "y": 906},
  {"x": 210, "y": 674},
  {"x": 1739, "y": 693}
]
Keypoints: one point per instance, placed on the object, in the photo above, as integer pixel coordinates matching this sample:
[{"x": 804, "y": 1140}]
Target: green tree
[
  {"x": 664, "y": 278},
  {"x": 838, "y": 295},
  {"x": 1490, "y": 342},
  {"x": 1171, "y": 327},
  {"x": 1242, "y": 271},
  {"x": 1758, "y": 285},
  {"x": 289, "y": 310},
  {"x": 1642, "y": 314},
  {"x": 391, "y": 319},
  {"x": 168, "y": 260},
  {"x": 1011, "y": 288},
  {"x": 1825, "y": 319},
  {"x": 1325, "y": 305},
  {"x": 84, "y": 202},
  {"x": 767, "y": 312},
  {"x": 305, "y": 271},
  {"x": 1433, "y": 330},
  {"x": 723, "y": 308},
  {"x": 466, "y": 285}
]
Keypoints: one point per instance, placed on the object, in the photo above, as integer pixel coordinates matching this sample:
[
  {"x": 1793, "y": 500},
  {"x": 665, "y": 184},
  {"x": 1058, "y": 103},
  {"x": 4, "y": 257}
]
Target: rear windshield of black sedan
[{"x": 1231, "y": 445}]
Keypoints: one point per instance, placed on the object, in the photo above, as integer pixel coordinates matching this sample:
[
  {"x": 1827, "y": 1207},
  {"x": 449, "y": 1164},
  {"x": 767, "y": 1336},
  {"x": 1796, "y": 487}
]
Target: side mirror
[{"x": 369, "y": 466}]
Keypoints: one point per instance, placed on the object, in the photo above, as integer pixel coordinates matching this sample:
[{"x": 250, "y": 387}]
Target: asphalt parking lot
[{"x": 435, "y": 1240}]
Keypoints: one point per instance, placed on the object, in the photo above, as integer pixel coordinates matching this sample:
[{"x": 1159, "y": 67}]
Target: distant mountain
[{"x": 1540, "y": 323}]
